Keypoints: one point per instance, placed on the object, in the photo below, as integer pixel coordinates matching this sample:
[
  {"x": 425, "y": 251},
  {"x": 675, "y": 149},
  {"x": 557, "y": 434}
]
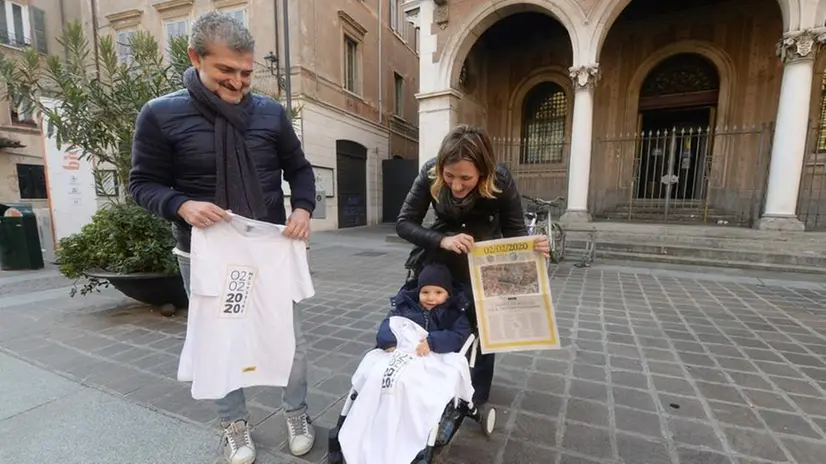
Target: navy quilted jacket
[
  {"x": 173, "y": 159},
  {"x": 447, "y": 325}
]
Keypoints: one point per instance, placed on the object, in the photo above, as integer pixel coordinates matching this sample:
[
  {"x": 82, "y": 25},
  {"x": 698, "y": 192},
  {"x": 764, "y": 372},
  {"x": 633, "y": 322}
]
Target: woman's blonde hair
[{"x": 466, "y": 143}]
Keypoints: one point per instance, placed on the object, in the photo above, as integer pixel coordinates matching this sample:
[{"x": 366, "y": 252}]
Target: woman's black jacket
[{"x": 489, "y": 218}]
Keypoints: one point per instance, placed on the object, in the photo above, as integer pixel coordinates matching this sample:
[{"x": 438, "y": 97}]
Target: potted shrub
[{"x": 98, "y": 102}]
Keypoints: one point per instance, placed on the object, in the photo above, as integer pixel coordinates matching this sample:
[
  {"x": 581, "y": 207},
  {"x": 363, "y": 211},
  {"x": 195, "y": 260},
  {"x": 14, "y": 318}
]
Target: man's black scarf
[{"x": 237, "y": 187}]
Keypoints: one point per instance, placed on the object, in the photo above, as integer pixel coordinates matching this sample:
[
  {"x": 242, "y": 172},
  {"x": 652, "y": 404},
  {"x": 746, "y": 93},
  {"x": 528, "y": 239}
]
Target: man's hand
[
  {"x": 423, "y": 348},
  {"x": 202, "y": 214},
  {"x": 298, "y": 225},
  {"x": 458, "y": 244}
]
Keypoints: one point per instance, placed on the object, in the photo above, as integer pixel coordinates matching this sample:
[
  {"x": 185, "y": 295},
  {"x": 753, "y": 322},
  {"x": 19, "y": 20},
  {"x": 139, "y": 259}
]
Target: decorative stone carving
[
  {"x": 584, "y": 76},
  {"x": 412, "y": 16},
  {"x": 441, "y": 15},
  {"x": 801, "y": 45}
]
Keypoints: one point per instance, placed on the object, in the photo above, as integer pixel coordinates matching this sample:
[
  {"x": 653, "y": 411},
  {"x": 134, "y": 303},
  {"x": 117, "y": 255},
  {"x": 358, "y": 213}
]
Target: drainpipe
[
  {"x": 63, "y": 24},
  {"x": 277, "y": 47},
  {"x": 287, "y": 68},
  {"x": 95, "y": 32},
  {"x": 381, "y": 89}
]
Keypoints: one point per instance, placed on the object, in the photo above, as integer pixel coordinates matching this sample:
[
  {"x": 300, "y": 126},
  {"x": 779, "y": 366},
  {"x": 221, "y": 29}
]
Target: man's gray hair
[{"x": 215, "y": 27}]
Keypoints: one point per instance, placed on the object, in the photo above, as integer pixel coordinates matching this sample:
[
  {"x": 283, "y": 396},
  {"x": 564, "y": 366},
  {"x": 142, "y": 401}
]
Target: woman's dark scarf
[
  {"x": 457, "y": 208},
  {"x": 237, "y": 187}
]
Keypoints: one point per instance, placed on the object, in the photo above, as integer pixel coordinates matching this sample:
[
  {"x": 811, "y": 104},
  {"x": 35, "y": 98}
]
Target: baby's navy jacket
[{"x": 447, "y": 325}]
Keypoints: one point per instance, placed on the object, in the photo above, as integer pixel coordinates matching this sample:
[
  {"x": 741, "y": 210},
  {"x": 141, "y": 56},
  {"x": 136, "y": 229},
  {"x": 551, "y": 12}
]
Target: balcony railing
[{"x": 15, "y": 41}]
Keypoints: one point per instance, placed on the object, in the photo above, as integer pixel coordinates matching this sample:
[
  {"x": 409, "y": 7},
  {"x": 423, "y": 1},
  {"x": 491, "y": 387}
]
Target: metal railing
[
  {"x": 685, "y": 174},
  {"x": 540, "y": 168},
  {"x": 811, "y": 200}
]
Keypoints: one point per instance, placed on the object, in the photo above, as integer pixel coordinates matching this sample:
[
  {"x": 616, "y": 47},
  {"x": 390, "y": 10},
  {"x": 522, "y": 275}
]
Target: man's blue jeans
[{"x": 233, "y": 407}]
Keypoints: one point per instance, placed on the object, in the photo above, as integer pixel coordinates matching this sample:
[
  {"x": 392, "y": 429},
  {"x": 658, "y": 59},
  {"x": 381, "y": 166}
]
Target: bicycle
[{"x": 541, "y": 223}]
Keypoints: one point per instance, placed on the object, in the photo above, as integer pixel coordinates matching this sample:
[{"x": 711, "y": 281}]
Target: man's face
[{"x": 225, "y": 72}]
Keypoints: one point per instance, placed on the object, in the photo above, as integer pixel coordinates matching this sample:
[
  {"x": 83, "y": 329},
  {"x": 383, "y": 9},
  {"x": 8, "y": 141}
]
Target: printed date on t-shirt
[
  {"x": 398, "y": 361},
  {"x": 239, "y": 282}
]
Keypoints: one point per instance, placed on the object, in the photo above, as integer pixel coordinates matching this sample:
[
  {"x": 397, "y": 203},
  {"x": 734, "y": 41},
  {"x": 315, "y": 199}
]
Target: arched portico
[
  {"x": 457, "y": 47},
  {"x": 607, "y": 13}
]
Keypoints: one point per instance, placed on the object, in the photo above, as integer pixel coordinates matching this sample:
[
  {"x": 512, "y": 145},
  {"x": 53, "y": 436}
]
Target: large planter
[{"x": 164, "y": 291}]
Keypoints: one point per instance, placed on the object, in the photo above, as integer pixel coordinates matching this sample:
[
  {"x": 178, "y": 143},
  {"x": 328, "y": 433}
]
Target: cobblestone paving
[{"x": 656, "y": 368}]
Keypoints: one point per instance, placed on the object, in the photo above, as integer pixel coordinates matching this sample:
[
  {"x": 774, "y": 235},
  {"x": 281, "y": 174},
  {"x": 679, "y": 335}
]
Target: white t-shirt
[
  {"x": 401, "y": 397},
  {"x": 244, "y": 277}
]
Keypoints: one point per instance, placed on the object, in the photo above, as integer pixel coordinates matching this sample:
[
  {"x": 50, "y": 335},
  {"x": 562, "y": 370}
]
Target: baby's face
[{"x": 431, "y": 296}]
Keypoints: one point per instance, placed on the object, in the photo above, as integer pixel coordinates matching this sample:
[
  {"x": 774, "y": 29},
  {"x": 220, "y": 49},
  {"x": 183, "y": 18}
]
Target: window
[
  {"x": 14, "y": 24},
  {"x": 544, "y": 115},
  {"x": 240, "y": 15},
  {"x": 106, "y": 183},
  {"x": 416, "y": 39},
  {"x": 350, "y": 64},
  {"x": 39, "y": 24},
  {"x": 398, "y": 96},
  {"x": 22, "y": 112},
  {"x": 175, "y": 29},
  {"x": 124, "y": 46},
  {"x": 394, "y": 15},
  {"x": 31, "y": 181}
]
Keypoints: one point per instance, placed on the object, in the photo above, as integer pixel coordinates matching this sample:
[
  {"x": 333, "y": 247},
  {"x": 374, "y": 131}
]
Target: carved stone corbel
[{"x": 441, "y": 14}]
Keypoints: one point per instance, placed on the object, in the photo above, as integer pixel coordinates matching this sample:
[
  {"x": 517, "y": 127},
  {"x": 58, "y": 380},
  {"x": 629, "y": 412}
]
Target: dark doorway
[
  {"x": 398, "y": 175},
  {"x": 351, "y": 180},
  {"x": 677, "y": 106},
  {"x": 673, "y": 153}
]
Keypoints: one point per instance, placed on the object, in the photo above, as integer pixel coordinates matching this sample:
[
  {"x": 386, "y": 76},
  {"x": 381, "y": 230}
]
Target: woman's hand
[
  {"x": 458, "y": 244},
  {"x": 542, "y": 245}
]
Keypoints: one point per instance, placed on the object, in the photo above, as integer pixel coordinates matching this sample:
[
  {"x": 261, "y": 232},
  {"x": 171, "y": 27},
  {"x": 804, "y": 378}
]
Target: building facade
[
  {"x": 24, "y": 24},
  {"x": 639, "y": 110},
  {"x": 353, "y": 78}
]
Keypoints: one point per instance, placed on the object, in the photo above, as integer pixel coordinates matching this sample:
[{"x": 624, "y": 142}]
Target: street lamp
[{"x": 272, "y": 60}]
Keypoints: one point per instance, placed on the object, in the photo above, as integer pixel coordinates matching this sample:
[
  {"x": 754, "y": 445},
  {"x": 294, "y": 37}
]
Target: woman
[{"x": 474, "y": 200}]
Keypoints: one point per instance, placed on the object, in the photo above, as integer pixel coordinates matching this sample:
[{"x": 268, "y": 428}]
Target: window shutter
[
  {"x": 4, "y": 27},
  {"x": 39, "y": 20}
]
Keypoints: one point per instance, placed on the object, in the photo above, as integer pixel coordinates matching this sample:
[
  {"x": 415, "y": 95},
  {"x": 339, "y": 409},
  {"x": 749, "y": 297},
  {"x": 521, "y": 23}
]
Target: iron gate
[{"x": 683, "y": 174}]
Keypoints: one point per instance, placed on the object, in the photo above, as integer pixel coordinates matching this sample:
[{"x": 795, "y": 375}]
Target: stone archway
[
  {"x": 718, "y": 57},
  {"x": 607, "y": 13},
  {"x": 457, "y": 47}
]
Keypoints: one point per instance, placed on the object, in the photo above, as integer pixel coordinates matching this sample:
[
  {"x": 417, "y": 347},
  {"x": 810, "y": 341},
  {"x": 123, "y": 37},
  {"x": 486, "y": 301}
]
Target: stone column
[
  {"x": 579, "y": 161},
  {"x": 437, "y": 115},
  {"x": 797, "y": 50}
]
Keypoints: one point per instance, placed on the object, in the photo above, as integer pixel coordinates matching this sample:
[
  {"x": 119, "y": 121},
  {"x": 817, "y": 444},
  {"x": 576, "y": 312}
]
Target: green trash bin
[{"x": 19, "y": 240}]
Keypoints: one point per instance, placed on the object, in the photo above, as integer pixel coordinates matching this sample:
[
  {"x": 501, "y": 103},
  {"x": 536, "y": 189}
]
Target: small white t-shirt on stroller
[{"x": 401, "y": 398}]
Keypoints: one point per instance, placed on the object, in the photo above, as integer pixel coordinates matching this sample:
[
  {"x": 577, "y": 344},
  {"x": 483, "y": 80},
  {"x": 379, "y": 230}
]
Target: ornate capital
[
  {"x": 801, "y": 45},
  {"x": 584, "y": 76}
]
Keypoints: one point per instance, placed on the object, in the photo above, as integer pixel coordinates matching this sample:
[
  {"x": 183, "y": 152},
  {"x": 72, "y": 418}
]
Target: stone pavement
[{"x": 658, "y": 366}]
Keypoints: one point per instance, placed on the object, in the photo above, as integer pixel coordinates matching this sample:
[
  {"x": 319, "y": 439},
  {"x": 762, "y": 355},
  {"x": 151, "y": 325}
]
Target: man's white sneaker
[
  {"x": 302, "y": 434},
  {"x": 238, "y": 446}
]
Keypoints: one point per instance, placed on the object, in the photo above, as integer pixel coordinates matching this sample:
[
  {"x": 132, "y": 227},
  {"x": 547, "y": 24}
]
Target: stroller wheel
[{"x": 489, "y": 422}]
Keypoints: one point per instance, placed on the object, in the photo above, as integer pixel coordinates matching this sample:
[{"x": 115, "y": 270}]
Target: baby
[{"x": 437, "y": 306}]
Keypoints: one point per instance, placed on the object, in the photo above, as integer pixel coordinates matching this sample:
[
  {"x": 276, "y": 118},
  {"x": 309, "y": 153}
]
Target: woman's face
[{"x": 461, "y": 177}]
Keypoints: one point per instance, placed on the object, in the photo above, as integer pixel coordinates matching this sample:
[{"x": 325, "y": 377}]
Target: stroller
[{"x": 451, "y": 419}]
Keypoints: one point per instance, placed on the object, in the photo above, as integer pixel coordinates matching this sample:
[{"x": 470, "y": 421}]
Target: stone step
[
  {"x": 696, "y": 261},
  {"x": 726, "y": 255},
  {"x": 736, "y": 242}
]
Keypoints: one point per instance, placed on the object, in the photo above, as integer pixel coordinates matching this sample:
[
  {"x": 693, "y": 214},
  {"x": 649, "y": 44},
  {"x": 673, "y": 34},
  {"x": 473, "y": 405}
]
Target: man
[{"x": 215, "y": 147}]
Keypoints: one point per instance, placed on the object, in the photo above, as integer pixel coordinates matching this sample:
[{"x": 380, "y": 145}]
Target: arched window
[{"x": 544, "y": 115}]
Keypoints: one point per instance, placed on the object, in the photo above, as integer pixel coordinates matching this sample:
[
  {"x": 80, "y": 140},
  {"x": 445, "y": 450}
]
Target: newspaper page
[{"x": 512, "y": 292}]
